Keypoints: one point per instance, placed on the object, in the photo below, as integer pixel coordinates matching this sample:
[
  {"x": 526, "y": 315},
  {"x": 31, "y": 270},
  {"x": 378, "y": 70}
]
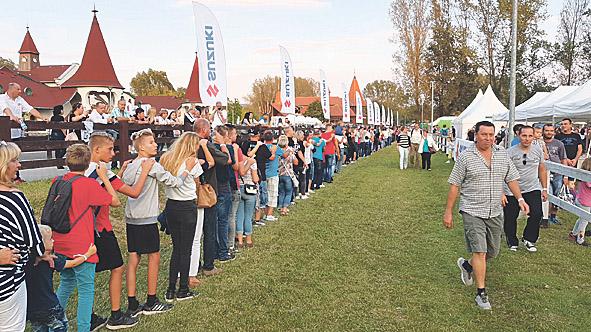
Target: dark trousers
[
  {"x": 182, "y": 221},
  {"x": 223, "y": 207},
  {"x": 301, "y": 174},
  {"x": 309, "y": 176},
  {"x": 511, "y": 212},
  {"x": 318, "y": 172},
  {"x": 426, "y": 160},
  {"x": 210, "y": 247}
]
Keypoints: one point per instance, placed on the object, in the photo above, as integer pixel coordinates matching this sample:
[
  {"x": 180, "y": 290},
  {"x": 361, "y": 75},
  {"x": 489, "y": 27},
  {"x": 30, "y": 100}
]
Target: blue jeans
[
  {"x": 285, "y": 189},
  {"x": 245, "y": 212},
  {"x": 339, "y": 163},
  {"x": 329, "y": 170},
  {"x": 232, "y": 220},
  {"x": 223, "y": 207},
  {"x": 53, "y": 320},
  {"x": 82, "y": 278},
  {"x": 263, "y": 194},
  {"x": 318, "y": 168},
  {"x": 556, "y": 183}
]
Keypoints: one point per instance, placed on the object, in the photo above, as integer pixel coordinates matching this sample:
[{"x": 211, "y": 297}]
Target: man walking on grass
[{"x": 478, "y": 176}]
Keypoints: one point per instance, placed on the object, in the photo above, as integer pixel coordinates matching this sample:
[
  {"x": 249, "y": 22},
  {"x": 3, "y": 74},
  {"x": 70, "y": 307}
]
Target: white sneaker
[
  {"x": 513, "y": 248},
  {"x": 311, "y": 191},
  {"x": 447, "y": 162},
  {"x": 322, "y": 186},
  {"x": 482, "y": 301},
  {"x": 464, "y": 275},
  {"x": 271, "y": 218},
  {"x": 299, "y": 197},
  {"x": 531, "y": 247},
  {"x": 305, "y": 197}
]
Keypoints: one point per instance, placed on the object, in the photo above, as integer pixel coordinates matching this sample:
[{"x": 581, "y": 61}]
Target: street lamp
[{"x": 422, "y": 102}]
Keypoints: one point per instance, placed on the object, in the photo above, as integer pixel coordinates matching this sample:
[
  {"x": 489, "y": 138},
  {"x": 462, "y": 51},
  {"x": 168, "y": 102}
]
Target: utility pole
[
  {"x": 513, "y": 74},
  {"x": 422, "y": 102},
  {"x": 432, "y": 91}
]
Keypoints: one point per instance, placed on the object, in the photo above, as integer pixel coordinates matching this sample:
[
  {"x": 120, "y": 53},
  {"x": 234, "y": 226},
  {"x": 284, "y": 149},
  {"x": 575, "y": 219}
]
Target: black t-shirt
[
  {"x": 57, "y": 134},
  {"x": 571, "y": 143},
  {"x": 223, "y": 171},
  {"x": 299, "y": 146},
  {"x": 262, "y": 156},
  {"x": 39, "y": 279}
]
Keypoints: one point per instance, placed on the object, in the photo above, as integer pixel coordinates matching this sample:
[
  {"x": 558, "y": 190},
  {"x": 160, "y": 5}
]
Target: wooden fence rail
[{"x": 41, "y": 143}]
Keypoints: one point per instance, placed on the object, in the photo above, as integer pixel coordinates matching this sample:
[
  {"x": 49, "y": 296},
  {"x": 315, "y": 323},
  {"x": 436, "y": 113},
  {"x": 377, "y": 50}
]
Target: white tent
[
  {"x": 486, "y": 108},
  {"x": 544, "y": 108},
  {"x": 457, "y": 122},
  {"x": 576, "y": 105},
  {"x": 522, "y": 108}
]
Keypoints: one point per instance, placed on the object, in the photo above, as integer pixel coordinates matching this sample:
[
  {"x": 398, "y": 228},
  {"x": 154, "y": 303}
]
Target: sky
[{"x": 342, "y": 37}]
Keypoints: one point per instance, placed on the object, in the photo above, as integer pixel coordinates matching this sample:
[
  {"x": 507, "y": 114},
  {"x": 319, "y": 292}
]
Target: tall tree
[
  {"x": 570, "y": 37},
  {"x": 315, "y": 111},
  {"x": 389, "y": 94},
  {"x": 235, "y": 110},
  {"x": 264, "y": 92},
  {"x": 152, "y": 83},
  {"x": 7, "y": 63},
  {"x": 411, "y": 21}
]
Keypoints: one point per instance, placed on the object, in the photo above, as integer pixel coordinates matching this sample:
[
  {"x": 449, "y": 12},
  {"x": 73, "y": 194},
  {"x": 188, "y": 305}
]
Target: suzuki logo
[
  {"x": 287, "y": 103},
  {"x": 213, "y": 90}
]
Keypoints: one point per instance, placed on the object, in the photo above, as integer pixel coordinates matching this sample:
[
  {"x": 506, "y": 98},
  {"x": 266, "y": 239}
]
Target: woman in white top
[
  {"x": 181, "y": 213},
  {"x": 248, "y": 177},
  {"x": 426, "y": 147}
]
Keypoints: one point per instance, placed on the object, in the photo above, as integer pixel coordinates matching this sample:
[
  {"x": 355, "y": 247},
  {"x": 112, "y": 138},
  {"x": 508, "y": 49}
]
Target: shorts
[
  {"x": 272, "y": 191},
  {"x": 263, "y": 197},
  {"x": 483, "y": 235},
  {"x": 143, "y": 239},
  {"x": 107, "y": 250}
]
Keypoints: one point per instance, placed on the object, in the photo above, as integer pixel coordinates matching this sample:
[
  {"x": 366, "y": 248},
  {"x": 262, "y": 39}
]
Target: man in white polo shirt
[
  {"x": 14, "y": 106},
  {"x": 99, "y": 114}
]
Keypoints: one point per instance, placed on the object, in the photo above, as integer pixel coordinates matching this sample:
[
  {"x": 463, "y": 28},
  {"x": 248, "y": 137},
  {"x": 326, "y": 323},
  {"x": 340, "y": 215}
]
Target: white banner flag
[
  {"x": 211, "y": 56},
  {"x": 358, "y": 109},
  {"x": 370, "y": 112},
  {"x": 383, "y": 117},
  {"x": 391, "y": 118},
  {"x": 324, "y": 95},
  {"x": 376, "y": 113},
  {"x": 346, "y": 104},
  {"x": 287, "y": 83}
]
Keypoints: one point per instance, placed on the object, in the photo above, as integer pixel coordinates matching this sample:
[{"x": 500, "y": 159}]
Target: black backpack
[{"x": 57, "y": 204}]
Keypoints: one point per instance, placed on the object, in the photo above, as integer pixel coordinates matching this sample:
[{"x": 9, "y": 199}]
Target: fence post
[
  {"x": 123, "y": 140},
  {"x": 5, "y": 128}
]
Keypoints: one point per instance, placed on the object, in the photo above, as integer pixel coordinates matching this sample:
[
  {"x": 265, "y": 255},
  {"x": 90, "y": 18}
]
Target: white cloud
[{"x": 263, "y": 3}]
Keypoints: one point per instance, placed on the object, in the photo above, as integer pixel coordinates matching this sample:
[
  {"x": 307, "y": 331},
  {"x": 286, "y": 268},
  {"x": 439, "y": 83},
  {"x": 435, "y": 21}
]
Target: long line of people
[{"x": 252, "y": 175}]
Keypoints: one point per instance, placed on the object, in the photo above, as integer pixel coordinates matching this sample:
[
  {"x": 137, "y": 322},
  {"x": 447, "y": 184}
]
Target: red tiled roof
[
  {"x": 355, "y": 88},
  {"x": 160, "y": 102},
  {"x": 192, "y": 94},
  {"x": 28, "y": 45},
  {"x": 96, "y": 68},
  {"x": 43, "y": 97},
  {"x": 45, "y": 73}
]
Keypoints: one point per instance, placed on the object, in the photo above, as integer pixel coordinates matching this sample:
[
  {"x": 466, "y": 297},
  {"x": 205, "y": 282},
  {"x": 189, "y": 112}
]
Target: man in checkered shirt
[{"x": 478, "y": 176}]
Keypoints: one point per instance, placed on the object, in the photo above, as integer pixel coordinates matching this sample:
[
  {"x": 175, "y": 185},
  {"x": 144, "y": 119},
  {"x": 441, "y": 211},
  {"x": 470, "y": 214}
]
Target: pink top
[{"x": 584, "y": 193}]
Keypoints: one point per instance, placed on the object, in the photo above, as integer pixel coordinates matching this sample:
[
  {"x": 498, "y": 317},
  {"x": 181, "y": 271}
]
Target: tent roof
[
  {"x": 575, "y": 104},
  {"x": 545, "y": 107},
  {"x": 533, "y": 100},
  {"x": 468, "y": 109}
]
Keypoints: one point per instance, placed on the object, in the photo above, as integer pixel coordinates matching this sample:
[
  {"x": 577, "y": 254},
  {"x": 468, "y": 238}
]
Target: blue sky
[{"x": 339, "y": 36}]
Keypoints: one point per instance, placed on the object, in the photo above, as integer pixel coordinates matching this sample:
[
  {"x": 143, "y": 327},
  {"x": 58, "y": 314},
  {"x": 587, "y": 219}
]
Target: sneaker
[
  {"x": 429, "y": 169},
  {"x": 447, "y": 162},
  {"x": 212, "y": 272},
  {"x": 530, "y": 246},
  {"x": 544, "y": 223},
  {"x": 513, "y": 248},
  {"x": 271, "y": 218},
  {"x": 123, "y": 322},
  {"x": 482, "y": 301},
  {"x": 305, "y": 197},
  {"x": 298, "y": 197},
  {"x": 227, "y": 258},
  {"x": 185, "y": 295},
  {"x": 311, "y": 191},
  {"x": 465, "y": 275},
  {"x": 322, "y": 186},
  {"x": 554, "y": 220},
  {"x": 157, "y": 308},
  {"x": 169, "y": 296},
  {"x": 571, "y": 236},
  {"x": 136, "y": 312},
  {"x": 97, "y": 322},
  {"x": 259, "y": 223}
]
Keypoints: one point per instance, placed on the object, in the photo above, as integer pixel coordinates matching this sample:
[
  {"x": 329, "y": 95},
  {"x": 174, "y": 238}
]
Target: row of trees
[{"x": 463, "y": 45}]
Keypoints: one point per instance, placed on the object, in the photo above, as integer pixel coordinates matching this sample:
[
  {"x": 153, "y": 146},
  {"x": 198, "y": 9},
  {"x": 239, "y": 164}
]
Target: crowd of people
[
  {"x": 220, "y": 183},
  {"x": 495, "y": 185}
]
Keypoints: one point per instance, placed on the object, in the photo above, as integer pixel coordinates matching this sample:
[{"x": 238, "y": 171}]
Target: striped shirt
[
  {"x": 18, "y": 230},
  {"x": 403, "y": 141}
]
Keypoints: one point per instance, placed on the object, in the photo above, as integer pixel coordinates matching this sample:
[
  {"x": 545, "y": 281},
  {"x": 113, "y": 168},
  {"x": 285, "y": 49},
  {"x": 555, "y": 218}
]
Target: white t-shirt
[
  {"x": 247, "y": 178},
  {"x": 217, "y": 120},
  {"x": 96, "y": 117},
  {"x": 17, "y": 106},
  {"x": 187, "y": 191}
]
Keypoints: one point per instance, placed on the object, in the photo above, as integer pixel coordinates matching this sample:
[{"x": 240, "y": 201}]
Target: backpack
[{"x": 57, "y": 205}]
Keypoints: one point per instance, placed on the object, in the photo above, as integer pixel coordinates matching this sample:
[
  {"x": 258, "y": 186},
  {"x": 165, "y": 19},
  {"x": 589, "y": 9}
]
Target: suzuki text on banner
[
  {"x": 346, "y": 106},
  {"x": 358, "y": 109},
  {"x": 370, "y": 113},
  {"x": 324, "y": 95},
  {"x": 287, "y": 83},
  {"x": 211, "y": 56}
]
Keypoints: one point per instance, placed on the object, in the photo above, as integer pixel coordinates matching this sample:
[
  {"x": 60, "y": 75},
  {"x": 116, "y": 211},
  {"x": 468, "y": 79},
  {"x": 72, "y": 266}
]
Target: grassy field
[{"x": 369, "y": 253}]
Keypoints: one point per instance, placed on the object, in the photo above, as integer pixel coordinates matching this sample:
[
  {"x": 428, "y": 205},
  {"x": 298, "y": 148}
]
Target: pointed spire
[
  {"x": 192, "y": 95},
  {"x": 96, "y": 68},
  {"x": 28, "y": 45},
  {"x": 355, "y": 88}
]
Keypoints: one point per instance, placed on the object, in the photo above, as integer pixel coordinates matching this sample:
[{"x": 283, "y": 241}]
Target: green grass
[{"x": 369, "y": 253}]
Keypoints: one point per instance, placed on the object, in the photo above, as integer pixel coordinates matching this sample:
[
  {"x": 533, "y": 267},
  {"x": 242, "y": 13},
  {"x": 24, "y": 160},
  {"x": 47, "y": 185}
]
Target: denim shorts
[{"x": 53, "y": 319}]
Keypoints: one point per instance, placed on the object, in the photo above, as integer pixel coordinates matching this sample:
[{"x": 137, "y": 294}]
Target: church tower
[{"x": 28, "y": 55}]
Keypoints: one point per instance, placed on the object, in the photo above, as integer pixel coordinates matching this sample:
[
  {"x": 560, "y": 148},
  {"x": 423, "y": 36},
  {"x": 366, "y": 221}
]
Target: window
[
  {"x": 1, "y": 89},
  {"x": 28, "y": 91}
]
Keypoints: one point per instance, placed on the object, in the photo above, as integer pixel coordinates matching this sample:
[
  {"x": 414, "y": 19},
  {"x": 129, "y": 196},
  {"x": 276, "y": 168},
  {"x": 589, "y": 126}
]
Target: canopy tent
[
  {"x": 457, "y": 122},
  {"x": 576, "y": 105},
  {"x": 544, "y": 108},
  {"x": 522, "y": 108},
  {"x": 486, "y": 108},
  {"x": 444, "y": 120}
]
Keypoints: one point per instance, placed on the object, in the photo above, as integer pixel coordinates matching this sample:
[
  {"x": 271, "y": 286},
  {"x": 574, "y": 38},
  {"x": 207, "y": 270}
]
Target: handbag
[
  {"x": 432, "y": 150},
  {"x": 206, "y": 196},
  {"x": 291, "y": 174},
  {"x": 250, "y": 189}
]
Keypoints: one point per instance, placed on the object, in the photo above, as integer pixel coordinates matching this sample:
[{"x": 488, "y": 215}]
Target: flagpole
[{"x": 513, "y": 73}]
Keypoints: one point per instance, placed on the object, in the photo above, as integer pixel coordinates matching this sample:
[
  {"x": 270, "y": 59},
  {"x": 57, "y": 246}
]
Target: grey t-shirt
[
  {"x": 528, "y": 173},
  {"x": 556, "y": 151}
]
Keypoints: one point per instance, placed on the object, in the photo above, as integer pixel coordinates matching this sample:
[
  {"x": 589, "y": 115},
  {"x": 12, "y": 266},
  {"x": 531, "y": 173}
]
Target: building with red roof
[
  {"x": 192, "y": 95},
  {"x": 160, "y": 102}
]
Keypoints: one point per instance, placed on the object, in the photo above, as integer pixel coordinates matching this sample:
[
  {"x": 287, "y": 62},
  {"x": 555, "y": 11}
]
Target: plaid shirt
[{"x": 481, "y": 187}]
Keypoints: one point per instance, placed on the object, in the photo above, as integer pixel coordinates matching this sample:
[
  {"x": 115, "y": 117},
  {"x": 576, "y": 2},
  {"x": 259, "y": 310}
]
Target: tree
[
  {"x": 387, "y": 93},
  {"x": 152, "y": 83},
  {"x": 235, "y": 110},
  {"x": 264, "y": 92},
  {"x": 7, "y": 63},
  {"x": 411, "y": 21},
  {"x": 570, "y": 36},
  {"x": 315, "y": 111},
  {"x": 180, "y": 92}
]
